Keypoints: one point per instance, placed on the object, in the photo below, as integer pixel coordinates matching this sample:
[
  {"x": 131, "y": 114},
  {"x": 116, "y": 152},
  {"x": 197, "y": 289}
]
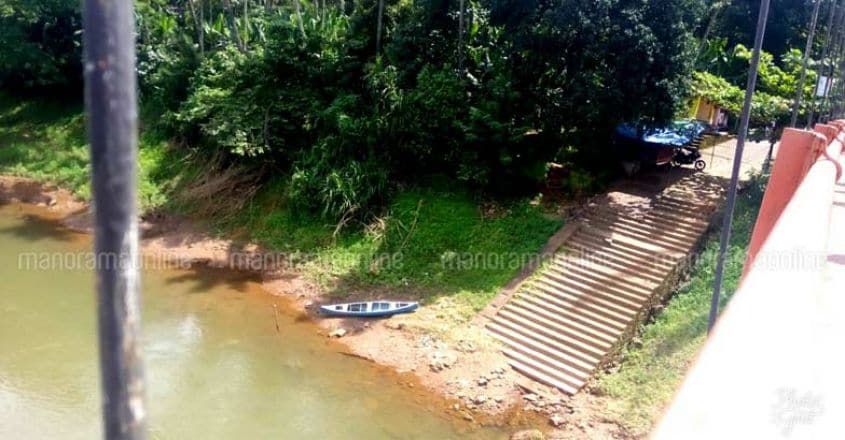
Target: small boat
[{"x": 369, "y": 309}]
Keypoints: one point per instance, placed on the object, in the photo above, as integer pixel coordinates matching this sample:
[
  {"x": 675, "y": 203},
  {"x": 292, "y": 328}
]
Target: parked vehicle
[
  {"x": 640, "y": 146},
  {"x": 689, "y": 155},
  {"x": 369, "y": 309}
]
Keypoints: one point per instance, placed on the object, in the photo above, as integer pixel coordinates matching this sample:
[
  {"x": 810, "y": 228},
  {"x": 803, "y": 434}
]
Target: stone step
[
  {"x": 542, "y": 377},
  {"x": 683, "y": 236},
  {"x": 613, "y": 256},
  {"x": 576, "y": 348},
  {"x": 523, "y": 343},
  {"x": 543, "y": 317},
  {"x": 598, "y": 279},
  {"x": 596, "y": 327},
  {"x": 585, "y": 298},
  {"x": 614, "y": 322},
  {"x": 622, "y": 297},
  {"x": 658, "y": 239},
  {"x": 569, "y": 354}
]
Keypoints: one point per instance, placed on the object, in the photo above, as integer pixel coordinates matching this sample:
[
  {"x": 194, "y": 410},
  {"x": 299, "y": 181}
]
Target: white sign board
[{"x": 823, "y": 86}]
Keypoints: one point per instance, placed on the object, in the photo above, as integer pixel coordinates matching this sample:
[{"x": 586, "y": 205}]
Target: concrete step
[
  {"x": 652, "y": 229},
  {"x": 568, "y": 317},
  {"x": 613, "y": 322},
  {"x": 616, "y": 258},
  {"x": 599, "y": 303},
  {"x": 542, "y": 377},
  {"x": 663, "y": 240},
  {"x": 545, "y": 365},
  {"x": 601, "y": 261},
  {"x": 596, "y": 327},
  {"x": 622, "y": 297},
  {"x": 570, "y": 354},
  {"x": 575, "y": 347},
  {"x": 598, "y": 279},
  {"x": 539, "y": 350},
  {"x": 544, "y": 317},
  {"x": 634, "y": 243},
  {"x": 603, "y": 272},
  {"x": 656, "y": 264}
]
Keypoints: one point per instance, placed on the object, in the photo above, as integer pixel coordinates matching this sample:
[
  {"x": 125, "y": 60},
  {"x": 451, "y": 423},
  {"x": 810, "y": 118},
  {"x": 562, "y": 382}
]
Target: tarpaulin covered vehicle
[{"x": 641, "y": 146}]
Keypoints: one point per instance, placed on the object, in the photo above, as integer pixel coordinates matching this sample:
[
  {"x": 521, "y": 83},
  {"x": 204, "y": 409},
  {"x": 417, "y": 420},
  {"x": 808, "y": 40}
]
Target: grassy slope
[
  {"x": 419, "y": 242},
  {"x": 46, "y": 141},
  {"x": 425, "y": 226},
  {"x": 651, "y": 372}
]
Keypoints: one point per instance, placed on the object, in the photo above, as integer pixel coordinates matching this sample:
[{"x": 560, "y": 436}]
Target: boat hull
[{"x": 333, "y": 311}]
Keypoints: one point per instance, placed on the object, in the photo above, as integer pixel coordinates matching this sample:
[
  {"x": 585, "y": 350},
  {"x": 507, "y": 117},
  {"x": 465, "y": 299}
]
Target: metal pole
[
  {"x": 799, "y": 93},
  {"x": 825, "y": 52},
  {"x": 834, "y": 55},
  {"x": 110, "y": 99},
  {"x": 740, "y": 146},
  {"x": 834, "y": 73}
]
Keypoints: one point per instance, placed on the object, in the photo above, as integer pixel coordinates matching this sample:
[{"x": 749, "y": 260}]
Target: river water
[{"x": 216, "y": 367}]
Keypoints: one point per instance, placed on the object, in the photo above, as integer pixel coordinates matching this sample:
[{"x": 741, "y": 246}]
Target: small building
[{"x": 704, "y": 110}]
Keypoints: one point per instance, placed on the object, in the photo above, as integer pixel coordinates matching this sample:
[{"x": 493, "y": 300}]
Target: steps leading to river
[{"x": 560, "y": 325}]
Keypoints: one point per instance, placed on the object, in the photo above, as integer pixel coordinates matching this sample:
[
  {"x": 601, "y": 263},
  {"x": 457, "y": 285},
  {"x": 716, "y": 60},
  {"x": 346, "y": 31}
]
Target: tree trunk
[
  {"x": 298, "y": 8},
  {"x": 461, "y": 32},
  {"x": 716, "y": 9},
  {"x": 246, "y": 24},
  {"x": 198, "y": 21},
  {"x": 379, "y": 26},
  {"x": 233, "y": 26}
]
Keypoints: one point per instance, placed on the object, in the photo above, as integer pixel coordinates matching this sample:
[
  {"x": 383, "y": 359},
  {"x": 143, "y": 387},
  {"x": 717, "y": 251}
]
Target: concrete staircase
[{"x": 561, "y": 324}]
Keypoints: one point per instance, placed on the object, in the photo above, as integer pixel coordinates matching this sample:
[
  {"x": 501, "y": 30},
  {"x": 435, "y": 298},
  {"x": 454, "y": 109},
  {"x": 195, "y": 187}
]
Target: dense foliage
[
  {"x": 349, "y": 99},
  {"x": 40, "y": 45}
]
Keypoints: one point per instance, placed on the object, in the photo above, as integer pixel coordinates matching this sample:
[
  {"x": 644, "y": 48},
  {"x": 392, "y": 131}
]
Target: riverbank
[
  {"x": 310, "y": 263},
  {"x": 457, "y": 362}
]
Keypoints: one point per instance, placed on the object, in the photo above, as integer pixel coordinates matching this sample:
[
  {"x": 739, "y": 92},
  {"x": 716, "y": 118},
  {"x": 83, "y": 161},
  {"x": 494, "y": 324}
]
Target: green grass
[
  {"x": 650, "y": 372},
  {"x": 432, "y": 240},
  {"x": 45, "y": 140}
]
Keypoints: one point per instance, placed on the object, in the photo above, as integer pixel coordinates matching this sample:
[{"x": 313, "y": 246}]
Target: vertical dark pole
[
  {"x": 825, "y": 51},
  {"x": 112, "y": 114},
  {"x": 799, "y": 92},
  {"x": 740, "y": 147},
  {"x": 379, "y": 26},
  {"x": 834, "y": 57}
]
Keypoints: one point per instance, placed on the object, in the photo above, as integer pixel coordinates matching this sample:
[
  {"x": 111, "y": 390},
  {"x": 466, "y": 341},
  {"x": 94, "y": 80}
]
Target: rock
[
  {"x": 465, "y": 346},
  {"x": 456, "y": 406},
  {"x": 482, "y": 381},
  {"x": 391, "y": 324},
  {"x": 479, "y": 399},
  {"x": 338, "y": 333},
  {"x": 557, "y": 420},
  {"x": 467, "y": 416},
  {"x": 530, "y": 397},
  {"x": 528, "y": 434},
  {"x": 51, "y": 201},
  {"x": 440, "y": 360},
  {"x": 499, "y": 399}
]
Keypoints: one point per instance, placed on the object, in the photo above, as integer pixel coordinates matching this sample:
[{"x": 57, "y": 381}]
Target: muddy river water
[{"x": 216, "y": 367}]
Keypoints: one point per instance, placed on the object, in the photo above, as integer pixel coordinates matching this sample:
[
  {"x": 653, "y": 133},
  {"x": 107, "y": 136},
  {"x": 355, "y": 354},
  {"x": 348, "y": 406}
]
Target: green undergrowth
[
  {"x": 652, "y": 369},
  {"x": 45, "y": 141},
  {"x": 432, "y": 240}
]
